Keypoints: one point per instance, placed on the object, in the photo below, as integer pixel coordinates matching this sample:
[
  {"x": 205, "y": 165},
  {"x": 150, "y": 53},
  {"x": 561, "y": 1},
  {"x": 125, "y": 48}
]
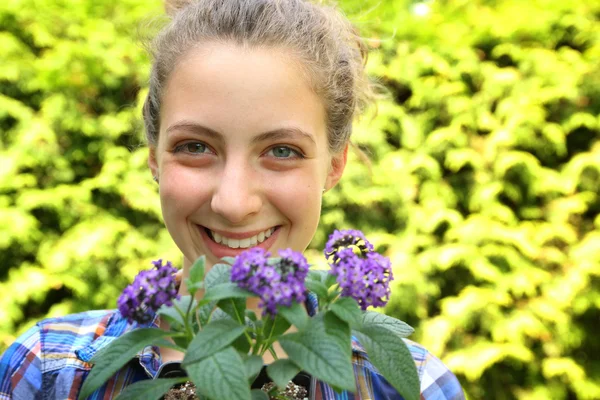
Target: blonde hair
[{"x": 324, "y": 42}]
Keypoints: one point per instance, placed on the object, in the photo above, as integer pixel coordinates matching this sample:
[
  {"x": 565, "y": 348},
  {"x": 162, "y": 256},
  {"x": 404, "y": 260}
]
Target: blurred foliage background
[{"x": 483, "y": 188}]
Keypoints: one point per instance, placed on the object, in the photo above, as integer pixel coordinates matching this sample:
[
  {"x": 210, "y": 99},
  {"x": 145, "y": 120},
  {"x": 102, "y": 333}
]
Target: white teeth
[{"x": 243, "y": 243}]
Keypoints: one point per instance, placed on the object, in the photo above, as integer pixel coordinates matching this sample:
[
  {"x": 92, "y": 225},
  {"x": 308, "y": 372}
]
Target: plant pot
[
  {"x": 186, "y": 391},
  {"x": 303, "y": 383}
]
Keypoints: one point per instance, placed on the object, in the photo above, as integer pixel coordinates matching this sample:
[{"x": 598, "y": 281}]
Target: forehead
[{"x": 231, "y": 88}]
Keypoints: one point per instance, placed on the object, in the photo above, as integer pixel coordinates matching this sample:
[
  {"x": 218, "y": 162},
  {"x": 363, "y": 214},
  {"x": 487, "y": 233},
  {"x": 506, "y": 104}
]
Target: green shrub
[
  {"x": 79, "y": 213},
  {"x": 485, "y": 189}
]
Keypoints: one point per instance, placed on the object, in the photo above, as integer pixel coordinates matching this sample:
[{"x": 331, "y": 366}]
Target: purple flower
[
  {"x": 247, "y": 263},
  {"x": 276, "y": 283},
  {"x": 346, "y": 239},
  {"x": 293, "y": 265},
  {"x": 364, "y": 276},
  {"x": 150, "y": 290}
]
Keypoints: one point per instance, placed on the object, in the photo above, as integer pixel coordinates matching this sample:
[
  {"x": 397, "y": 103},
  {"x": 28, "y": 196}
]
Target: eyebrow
[
  {"x": 276, "y": 134},
  {"x": 283, "y": 133},
  {"x": 193, "y": 127}
]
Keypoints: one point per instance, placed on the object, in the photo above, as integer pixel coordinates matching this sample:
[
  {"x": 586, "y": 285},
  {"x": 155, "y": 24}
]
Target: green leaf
[
  {"x": 282, "y": 371},
  {"x": 339, "y": 330},
  {"x": 241, "y": 344},
  {"x": 236, "y": 308},
  {"x": 273, "y": 260},
  {"x": 347, "y": 309},
  {"x": 219, "y": 314},
  {"x": 195, "y": 281},
  {"x": 149, "y": 389},
  {"x": 215, "y": 336},
  {"x": 221, "y": 375},
  {"x": 251, "y": 315},
  {"x": 172, "y": 314},
  {"x": 318, "y": 288},
  {"x": 253, "y": 365},
  {"x": 193, "y": 287},
  {"x": 258, "y": 394},
  {"x": 118, "y": 353},
  {"x": 329, "y": 280},
  {"x": 219, "y": 273},
  {"x": 228, "y": 260},
  {"x": 197, "y": 270},
  {"x": 318, "y": 275},
  {"x": 295, "y": 314},
  {"x": 400, "y": 328},
  {"x": 390, "y": 355},
  {"x": 318, "y": 353},
  {"x": 323, "y": 276},
  {"x": 274, "y": 327},
  {"x": 204, "y": 312},
  {"x": 225, "y": 291},
  {"x": 163, "y": 342}
]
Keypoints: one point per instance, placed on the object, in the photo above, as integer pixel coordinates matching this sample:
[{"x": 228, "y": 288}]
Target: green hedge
[
  {"x": 483, "y": 188},
  {"x": 79, "y": 212}
]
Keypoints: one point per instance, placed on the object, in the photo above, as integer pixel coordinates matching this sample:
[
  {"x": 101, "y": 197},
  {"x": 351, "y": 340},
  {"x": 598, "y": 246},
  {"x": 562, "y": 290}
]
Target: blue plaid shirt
[{"x": 51, "y": 361}]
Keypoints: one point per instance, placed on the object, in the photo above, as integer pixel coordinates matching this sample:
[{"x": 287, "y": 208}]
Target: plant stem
[
  {"x": 262, "y": 349},
  {"x": 241, "y": 321},
  {"x": 273, "y": 353},
  {"x": 259, "y": 341},
  {"x": 186, "y": 324}
]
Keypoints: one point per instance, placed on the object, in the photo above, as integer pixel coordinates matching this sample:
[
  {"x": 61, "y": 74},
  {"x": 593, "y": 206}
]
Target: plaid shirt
[{"x": 51, "y": 361}]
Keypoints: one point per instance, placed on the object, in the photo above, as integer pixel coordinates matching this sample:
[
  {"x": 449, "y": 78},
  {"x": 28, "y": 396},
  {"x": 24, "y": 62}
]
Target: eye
[
  {"x": 192, "y": 148},
  {"x": 284, "y": 152}
]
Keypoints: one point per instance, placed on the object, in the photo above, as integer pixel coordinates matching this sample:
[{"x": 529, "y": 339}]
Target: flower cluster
[
  {"x": 149, "y": 291},
  {"x": 346, "y": 239},
  {"x": 277, "y": 282},
  {"x": 364, "y": 276}
]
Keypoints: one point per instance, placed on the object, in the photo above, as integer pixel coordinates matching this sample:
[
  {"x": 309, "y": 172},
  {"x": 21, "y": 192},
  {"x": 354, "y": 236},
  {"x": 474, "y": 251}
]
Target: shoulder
[
  {"x": 61, "y": 337},
  {"x": 20, "y": 366},
  {"x": 437, "y": 381},
  {"x": 81, "y": 324},
  {"x": 48, "y": 346}
]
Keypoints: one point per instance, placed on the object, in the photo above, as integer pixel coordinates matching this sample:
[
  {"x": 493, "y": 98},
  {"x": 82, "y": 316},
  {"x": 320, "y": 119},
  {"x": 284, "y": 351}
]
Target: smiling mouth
[{"x": 240, "y": 243}]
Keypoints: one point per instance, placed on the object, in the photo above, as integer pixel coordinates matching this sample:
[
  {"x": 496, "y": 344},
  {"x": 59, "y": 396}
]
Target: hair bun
[{"x": 172, "y": 7}]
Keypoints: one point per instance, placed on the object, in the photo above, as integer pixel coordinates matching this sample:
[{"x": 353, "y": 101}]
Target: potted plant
[{"x": 224, "y": 343}]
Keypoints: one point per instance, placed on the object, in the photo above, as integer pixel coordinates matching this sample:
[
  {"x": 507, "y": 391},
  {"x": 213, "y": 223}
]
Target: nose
[{"x": 237, "y": 196}]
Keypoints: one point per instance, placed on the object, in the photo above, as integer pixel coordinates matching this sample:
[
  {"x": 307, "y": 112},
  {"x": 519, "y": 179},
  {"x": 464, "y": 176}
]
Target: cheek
[
  {"x": 182, "y": 191},
  {"x": 299, "y": 200}
]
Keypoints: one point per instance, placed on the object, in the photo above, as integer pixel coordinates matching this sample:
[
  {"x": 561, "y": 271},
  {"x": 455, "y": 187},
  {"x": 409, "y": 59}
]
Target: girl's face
[{"x": 242, "y": 158}]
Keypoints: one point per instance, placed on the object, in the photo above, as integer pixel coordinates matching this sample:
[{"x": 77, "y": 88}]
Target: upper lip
[{"x": 239, "y": 235}]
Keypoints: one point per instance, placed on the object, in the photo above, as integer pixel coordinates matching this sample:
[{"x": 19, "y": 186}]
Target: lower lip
[{"x": 220, "y": 250}]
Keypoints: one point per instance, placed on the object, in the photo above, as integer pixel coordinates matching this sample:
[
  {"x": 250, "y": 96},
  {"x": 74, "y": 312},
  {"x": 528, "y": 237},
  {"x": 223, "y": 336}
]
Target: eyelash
[
  {"x": 182, "y": 148},
  {"x": 297, "y": 154}
]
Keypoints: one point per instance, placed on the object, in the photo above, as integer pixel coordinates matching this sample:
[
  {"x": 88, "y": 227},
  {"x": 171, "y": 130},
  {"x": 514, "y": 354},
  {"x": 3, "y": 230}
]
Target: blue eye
[
  {"x": 284, "y": 152},
  {"x": 192, "y": 148},
  {"x": 196, "y": 147}
]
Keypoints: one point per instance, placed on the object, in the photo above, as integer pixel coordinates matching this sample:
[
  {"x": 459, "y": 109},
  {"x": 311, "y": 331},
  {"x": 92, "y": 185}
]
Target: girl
[{"x": 248, "y": 120}]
